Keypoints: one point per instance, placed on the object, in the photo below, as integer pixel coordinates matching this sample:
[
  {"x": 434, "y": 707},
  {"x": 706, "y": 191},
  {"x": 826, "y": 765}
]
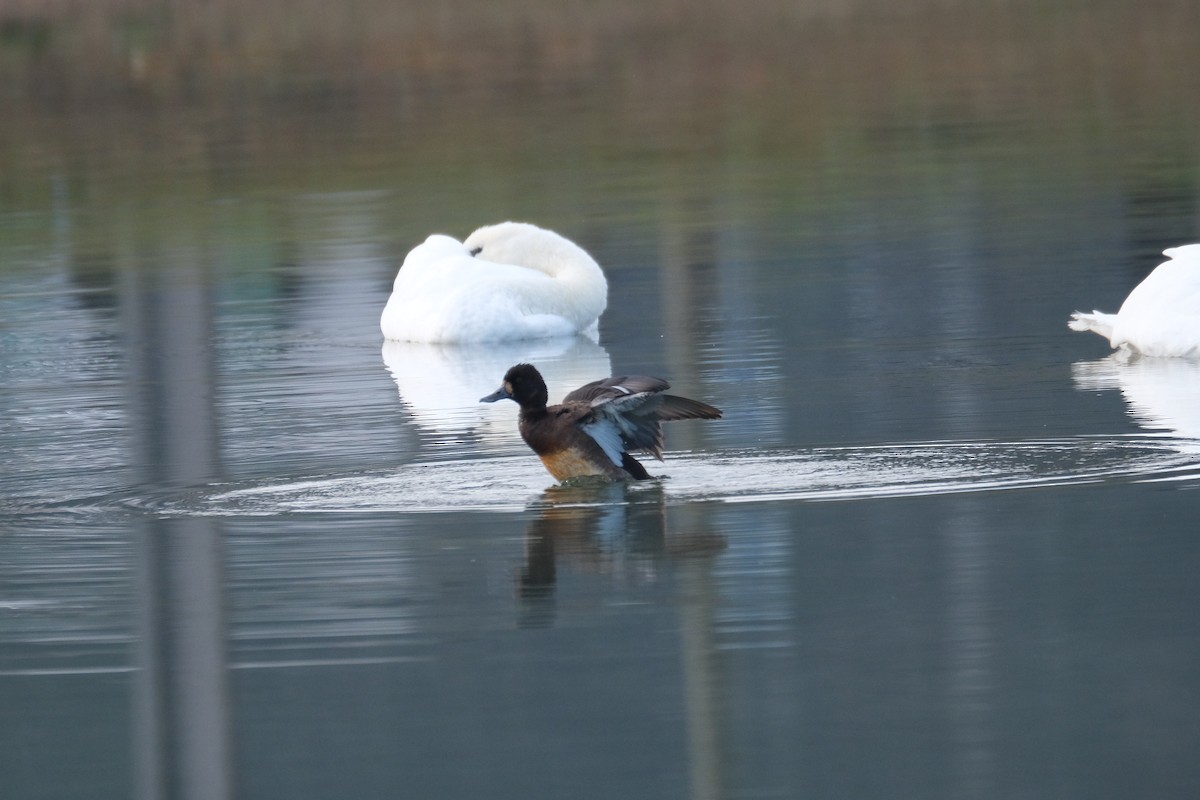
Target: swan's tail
[{"x": 1096, "y": 322}]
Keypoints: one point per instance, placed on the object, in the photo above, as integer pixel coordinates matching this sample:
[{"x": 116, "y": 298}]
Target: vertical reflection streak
[
  {"x": 180, "y": 697},
  {"x": 971, "y": 657},
  {"x": 700, "y": 680}
]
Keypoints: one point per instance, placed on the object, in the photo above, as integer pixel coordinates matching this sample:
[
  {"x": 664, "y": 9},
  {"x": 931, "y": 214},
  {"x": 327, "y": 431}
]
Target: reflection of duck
[
  {"x": 592, "y": 430},
  {"x": 439, "y": 383},
  {"x": 608, "y": 528},
  {"x": 508, "y": 281},
  {"x": 1161, "y": 316},
  {"x": 1162, "y": 394}
]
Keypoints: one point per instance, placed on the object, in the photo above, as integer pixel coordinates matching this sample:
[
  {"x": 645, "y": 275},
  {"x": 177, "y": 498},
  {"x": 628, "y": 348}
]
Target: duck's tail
[{"x": 1096, "y": 322}]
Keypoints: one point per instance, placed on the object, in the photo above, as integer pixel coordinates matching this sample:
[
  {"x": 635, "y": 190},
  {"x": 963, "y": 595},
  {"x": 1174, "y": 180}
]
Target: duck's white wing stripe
[
  {"x": 626, "y": 403},
  {"x": 608, "y": 436}
]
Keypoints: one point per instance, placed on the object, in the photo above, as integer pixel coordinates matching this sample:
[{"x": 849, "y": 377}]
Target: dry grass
[
  {"x": 145, "y": 111},
  {"x": 170, "y": 83},
  {"x": 61, "y": 54}
]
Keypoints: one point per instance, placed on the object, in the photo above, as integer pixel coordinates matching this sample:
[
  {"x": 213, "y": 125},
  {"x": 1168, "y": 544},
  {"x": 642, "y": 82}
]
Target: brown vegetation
[
  {"x": 180, "y": 88},
  {"x": 71, "y": 54}
]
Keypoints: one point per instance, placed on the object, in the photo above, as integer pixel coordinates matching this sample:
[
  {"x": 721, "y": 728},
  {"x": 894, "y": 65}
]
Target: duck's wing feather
[
  {"x": 616, "y": 387},
  {"x": 674, "y": 407},
  {"x": 627, "y": 412},
  {"x": 607, "y": 434}
]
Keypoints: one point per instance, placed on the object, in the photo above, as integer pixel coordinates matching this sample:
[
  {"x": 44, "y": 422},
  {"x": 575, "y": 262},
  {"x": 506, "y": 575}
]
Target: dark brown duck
[{"x": 592, "y": 431}]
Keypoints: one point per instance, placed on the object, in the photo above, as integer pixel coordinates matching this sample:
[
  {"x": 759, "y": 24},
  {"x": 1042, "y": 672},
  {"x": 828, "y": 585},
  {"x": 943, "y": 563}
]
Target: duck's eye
[{"x": 476, "y": 251}]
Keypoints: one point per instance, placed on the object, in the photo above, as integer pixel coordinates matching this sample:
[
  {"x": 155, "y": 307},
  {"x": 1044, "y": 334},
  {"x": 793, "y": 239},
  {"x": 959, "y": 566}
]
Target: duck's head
[{"x": 524, "y": 384}]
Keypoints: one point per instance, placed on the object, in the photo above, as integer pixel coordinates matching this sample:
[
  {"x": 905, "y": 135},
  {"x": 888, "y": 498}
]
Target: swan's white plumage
[
  {"x": 522, "y": 282},
  {"x": 1161, "y": 316}
]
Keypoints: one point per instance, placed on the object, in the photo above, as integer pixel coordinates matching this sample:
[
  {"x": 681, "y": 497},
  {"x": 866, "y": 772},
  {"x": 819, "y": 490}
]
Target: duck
[
  {"x": 512, "y": 280},
  {"x": 592, "y": 431},
  {"x": 1161, "y": 316}
]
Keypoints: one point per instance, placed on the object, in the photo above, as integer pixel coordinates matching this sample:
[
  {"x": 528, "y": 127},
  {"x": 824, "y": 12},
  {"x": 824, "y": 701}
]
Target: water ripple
[{"x": 513, "y": 483}]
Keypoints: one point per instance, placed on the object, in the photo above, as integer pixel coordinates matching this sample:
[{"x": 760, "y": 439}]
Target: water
[{"x": 938, "y": 546}]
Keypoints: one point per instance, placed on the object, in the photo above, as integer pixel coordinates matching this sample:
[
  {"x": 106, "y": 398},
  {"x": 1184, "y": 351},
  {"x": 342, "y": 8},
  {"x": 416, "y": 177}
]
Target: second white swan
[{"x": 1161, "y": 316}]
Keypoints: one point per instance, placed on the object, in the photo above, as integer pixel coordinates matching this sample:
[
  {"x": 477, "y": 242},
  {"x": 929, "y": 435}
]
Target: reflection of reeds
[
  {"x": 197, "y": 91},
  {"x": 862, "y": 53}
]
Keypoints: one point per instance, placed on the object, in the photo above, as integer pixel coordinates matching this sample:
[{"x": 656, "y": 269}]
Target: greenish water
[{"x": 938, "y": 546}]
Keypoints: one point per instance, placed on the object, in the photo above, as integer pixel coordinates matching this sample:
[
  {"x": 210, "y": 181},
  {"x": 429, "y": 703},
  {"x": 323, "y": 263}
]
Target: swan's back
[
  {"x": 1174, "y": 285},
  {"x": 1161, "y": 316},
  {"x": 506, "y": 281}
]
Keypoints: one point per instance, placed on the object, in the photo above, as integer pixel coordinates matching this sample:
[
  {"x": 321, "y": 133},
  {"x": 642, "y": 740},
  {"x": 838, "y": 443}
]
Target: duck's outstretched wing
[
  {"x": 626, "y": 413},
  {"x": 616, "y": 387}
]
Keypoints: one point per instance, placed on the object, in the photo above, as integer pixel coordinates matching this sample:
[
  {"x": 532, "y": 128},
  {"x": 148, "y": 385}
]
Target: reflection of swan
[
  {"x": 441, "y": 383},
  {"x": 1162, "y": 394},
  {"x": 1161, "y": 316},
  {"x": 508, "y": 281}
]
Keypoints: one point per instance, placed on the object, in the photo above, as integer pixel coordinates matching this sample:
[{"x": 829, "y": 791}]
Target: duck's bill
[{"x": 499, "y": 394}]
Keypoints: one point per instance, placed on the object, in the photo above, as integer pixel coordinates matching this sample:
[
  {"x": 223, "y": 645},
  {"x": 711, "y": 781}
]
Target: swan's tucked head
[{"x": 526, "y": 245}]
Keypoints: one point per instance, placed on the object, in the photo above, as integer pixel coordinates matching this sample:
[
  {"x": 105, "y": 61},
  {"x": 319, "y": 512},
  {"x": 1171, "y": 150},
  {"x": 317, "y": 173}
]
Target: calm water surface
[{"x": 938, "y": 547}]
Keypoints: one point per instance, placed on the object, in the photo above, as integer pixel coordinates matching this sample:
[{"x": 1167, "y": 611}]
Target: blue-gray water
[{"x": 939, "y": 546}]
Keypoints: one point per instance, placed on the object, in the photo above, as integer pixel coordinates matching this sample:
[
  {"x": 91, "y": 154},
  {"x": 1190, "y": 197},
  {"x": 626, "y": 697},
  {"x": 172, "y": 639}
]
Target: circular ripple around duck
[
  {"x": 822, "y": 474},
  {"x": 946, "y": 467}
]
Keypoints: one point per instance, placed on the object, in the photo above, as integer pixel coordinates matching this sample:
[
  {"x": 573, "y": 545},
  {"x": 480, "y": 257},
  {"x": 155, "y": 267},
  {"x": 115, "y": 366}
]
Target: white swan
[
  {"x": 508, "y": 281},
  {"x": 1161, "y": 316}
]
